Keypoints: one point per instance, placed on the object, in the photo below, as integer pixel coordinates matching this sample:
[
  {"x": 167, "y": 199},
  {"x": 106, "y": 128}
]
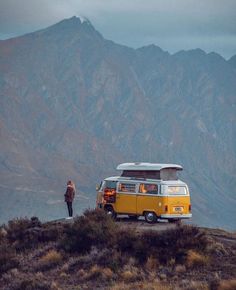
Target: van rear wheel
[{"x": 150, "y": 217}]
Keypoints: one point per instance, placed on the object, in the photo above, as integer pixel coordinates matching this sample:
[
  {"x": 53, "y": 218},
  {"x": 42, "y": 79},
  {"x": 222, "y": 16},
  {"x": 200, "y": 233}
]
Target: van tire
[
  {"x": 150, "y": 217},
  {"x": 110, "y": 211}
]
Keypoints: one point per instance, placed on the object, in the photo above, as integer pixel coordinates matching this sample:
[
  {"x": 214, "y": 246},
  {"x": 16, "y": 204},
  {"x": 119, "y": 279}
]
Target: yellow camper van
[{"x": 151, "y": 190}]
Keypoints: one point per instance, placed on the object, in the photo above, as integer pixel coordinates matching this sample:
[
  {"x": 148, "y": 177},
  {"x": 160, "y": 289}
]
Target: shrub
[
  {"x": 106, "y": 258},
  {"x": 94, "y": 228},
  {"x": 126, "y": 239},
  {"x": 3, "y": 234},
  {"x": 227, "y": 285},
  {"x": 116, "y": 260},
  {"x": 31, "y": 284},
  {"x": 51, "y": 232},
  {"x": 24, "y": 232},
  {"x": 28, "y": 233},
  {"x": 51, "y": 259},
  {"x": 8, "y": 258},
  {"x": 171, "y": 244},
  {"x": 195, "y": 259},
  {"x": 216, "y": 248},
  {"x": 16, "y": 229}
]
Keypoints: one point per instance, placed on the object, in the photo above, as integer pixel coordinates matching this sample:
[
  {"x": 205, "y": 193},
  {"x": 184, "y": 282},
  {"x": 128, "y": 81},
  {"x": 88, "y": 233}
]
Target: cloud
[{"x": 131, "y": 22}]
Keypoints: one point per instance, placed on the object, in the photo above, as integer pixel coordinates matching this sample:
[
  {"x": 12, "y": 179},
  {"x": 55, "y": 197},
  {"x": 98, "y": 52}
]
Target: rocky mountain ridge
[{"x": 74, "y": 105}]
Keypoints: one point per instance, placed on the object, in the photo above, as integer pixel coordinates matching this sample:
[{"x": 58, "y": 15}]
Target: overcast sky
[{"x": 171, "y": 24}]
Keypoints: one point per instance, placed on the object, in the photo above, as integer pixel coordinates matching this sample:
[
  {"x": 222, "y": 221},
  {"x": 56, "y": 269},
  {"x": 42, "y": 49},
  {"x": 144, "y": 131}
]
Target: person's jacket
[{"x": 70, "y": 193}]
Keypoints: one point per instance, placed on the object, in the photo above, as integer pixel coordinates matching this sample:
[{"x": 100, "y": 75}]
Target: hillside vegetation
[{"x": 94, "y": 252}]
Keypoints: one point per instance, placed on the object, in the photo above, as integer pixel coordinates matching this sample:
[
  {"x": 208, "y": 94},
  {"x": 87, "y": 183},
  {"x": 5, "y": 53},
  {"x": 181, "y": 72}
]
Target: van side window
[
  {"x": 127, "y": 187},
  {"x": 148, "y": 188}
]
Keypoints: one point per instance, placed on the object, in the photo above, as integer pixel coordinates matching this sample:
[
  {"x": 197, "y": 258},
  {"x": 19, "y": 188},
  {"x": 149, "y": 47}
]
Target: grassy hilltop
[{"x": 94, "y": 252}]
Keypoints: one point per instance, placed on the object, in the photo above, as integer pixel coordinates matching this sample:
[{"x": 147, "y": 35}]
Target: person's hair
[{"x": 69, "y": 182}]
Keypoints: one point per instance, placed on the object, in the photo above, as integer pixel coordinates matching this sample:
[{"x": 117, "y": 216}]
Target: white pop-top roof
[{"x": 147, "y": 166}]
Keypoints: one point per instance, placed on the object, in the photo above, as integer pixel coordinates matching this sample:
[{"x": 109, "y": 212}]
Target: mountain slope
[{"x": 74, "y": 105}]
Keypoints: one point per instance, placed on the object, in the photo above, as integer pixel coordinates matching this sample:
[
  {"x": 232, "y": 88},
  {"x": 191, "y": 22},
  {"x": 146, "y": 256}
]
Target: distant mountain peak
[
  {"x": 71, "y": 27},
  {"x": 77, "y": 19},
  {"x": 74, "y": 21},
  {"x": 82, "y": 19},
  {"x": 151, "y": 47}
]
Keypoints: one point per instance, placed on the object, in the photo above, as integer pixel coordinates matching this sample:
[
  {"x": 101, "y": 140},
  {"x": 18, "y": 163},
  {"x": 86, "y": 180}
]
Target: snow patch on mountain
[{"x": 83, "y": 19}]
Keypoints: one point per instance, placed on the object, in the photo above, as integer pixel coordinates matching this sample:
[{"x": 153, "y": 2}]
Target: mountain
[{"x": 74, "y": 105}]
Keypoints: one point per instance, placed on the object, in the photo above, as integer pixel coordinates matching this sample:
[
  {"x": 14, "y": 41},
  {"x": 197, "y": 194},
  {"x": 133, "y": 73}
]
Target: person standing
[{"x": 69, "y": 197}]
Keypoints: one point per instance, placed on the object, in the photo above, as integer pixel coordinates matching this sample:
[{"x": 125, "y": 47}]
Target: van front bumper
[{"x": 182, "y": 216}]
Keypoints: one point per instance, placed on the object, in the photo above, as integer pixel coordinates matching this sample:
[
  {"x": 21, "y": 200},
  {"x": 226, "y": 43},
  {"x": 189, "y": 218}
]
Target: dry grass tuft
[
  {"x": 130, "y": 274},
  {"x": 51, "y": 259},
  {"x": 171, "y": 262},
  {"x": 82, "y": 274},
  {"x": 155, "y": 285},
  {"x": 63, "y": 275},
  {"x": 39, "y": 275},
  {"x": 54, "y": 286},
  {"x": 107, "y": 273},
  {"x": 214, "y": 247},
  {"x": 96, "y": 273},
  {"x": 180, "y": 269},
  {"x": 152, "y": 263},
  {"x": 198, "y": 285},
  {"x": 65, "y": 267},
  {"x": 195, "y": 259},
  {"x": 227, "y": 285}
]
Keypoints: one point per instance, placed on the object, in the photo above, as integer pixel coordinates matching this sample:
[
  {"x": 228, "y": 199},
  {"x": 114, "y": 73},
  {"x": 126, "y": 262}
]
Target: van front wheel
[
  {"x": 110, "y": 211},
  {"x": 150, "y": 217}
]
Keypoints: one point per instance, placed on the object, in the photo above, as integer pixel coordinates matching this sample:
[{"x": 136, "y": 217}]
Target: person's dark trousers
[{"x": 70, "y": 209}]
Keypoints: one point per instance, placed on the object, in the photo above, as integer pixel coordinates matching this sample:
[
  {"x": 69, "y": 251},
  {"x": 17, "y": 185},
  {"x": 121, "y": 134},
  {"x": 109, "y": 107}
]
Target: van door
[
  {"x": 126, "y": 198},
  {"x": 147, "y": 198}
]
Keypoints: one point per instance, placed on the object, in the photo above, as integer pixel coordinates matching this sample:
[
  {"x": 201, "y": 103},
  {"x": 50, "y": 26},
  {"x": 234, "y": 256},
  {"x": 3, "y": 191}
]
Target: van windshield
[{"x": 110, "y": 184}]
